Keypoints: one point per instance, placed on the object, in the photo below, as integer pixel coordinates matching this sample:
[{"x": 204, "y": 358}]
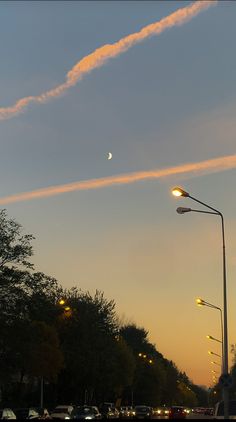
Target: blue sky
[{"x": 167, "y": 101}]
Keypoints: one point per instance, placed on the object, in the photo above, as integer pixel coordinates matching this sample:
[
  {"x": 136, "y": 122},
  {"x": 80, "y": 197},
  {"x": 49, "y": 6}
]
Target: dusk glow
[{"x": 114, "y": 115}]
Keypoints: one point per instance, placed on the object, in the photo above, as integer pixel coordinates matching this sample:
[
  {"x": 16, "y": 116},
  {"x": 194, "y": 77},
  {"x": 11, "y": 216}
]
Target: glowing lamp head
[
  {"x": 67, "y": 308},
  {"x": 61, "y": 302},
  {"x": 199, "y": 301},
  {"x": 177, "y": 191}
]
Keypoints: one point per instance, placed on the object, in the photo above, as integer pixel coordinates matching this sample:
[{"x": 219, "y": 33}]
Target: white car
[
  {"x": 62, "y": 412},
  {"x": 7, "y": 414},
  {"x": 219, "y": 410}
]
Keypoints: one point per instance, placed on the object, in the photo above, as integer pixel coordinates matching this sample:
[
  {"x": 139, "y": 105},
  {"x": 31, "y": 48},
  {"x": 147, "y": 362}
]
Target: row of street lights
[
  {"x": 145, "y": 357},
  {"x": 177, "y": 191},
  {"x": 201, "y": 302}
]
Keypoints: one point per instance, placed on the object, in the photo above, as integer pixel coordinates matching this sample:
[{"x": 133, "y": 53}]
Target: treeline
[{"x": 73, "y": 342}]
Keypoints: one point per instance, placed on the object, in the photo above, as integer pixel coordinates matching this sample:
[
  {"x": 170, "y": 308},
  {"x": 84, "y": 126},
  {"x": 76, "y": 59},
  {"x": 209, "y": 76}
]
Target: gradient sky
[{"x": 167, "y": 101}]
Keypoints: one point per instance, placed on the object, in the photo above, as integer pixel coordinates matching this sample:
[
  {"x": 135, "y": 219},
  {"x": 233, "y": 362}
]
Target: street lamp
[
  {"x": 215, "y": 363},
  {"x": 212, "y": 353},
  {"x": 177, "y": 191},
  {"x": 202, "y": 302},
  {"x": 213, "y": 338}
]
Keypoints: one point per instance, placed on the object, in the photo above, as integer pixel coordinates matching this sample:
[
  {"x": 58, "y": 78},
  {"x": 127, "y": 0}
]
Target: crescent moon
[{"x": 109, "y": 156}]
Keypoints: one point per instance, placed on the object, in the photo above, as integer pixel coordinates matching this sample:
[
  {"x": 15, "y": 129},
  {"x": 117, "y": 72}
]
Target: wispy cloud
[
  {"x": 101, "y": 55},
  {"x": 193, "y": 169}
]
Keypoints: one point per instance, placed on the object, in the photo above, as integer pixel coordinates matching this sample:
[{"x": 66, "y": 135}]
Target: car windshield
[
  {"x": 141, "y": 408},
  {"x": 84, "y": 410},
  {"x": 61, "y": 410},
  {"x": 21, "y": 413}
]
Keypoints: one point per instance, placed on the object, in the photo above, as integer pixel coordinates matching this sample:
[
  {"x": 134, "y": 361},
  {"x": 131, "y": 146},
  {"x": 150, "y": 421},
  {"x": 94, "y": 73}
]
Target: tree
[
  {"x": 25, "y": 297},
  {"x": 15, "y": 248},
  {"x": 92, "y": 354},
  {"x": 149, "y": 377},
  {"x": 45, "y": 359}
]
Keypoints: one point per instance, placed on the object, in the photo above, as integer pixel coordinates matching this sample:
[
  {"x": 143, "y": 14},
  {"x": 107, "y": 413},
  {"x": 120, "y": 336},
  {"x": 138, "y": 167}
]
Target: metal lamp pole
[{"x": 180, "y": 192}]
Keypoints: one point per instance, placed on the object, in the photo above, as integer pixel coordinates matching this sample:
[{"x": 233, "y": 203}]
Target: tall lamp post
[{"x": 177, "y": 191}]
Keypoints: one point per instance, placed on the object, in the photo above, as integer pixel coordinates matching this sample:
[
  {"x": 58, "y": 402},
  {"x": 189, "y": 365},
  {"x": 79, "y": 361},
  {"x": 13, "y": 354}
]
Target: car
[
  {"x": 161, "y": 412},
  {"x": 43, "y": 413},
  {"x": 177, "y": 412},
  {"x": 62, "y": 412},
  {"x": 219, "y": 410},
  {"x": 26, "y": 413},
  {"x": 131, "y": 412},
  {"x": 109, "y": 411},
  {"x": 7, "y": 414},
  {"x": 209, "y": 411},
  {"x": 143, "y": 412},
  {"x": 124, "y": 412},
  {"x": 85, "y": 412}
]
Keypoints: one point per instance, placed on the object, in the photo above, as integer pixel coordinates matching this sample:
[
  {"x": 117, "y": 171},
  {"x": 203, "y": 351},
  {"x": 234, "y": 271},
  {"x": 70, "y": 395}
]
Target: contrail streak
[
  {"x": 195, "y": 169},
  {"x": 102, "y": 54}
]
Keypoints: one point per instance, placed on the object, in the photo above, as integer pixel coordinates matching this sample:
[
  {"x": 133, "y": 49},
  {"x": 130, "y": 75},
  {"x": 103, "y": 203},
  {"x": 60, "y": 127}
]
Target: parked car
[
  {"x": 43, "y": 413},
  {"x": 26, "y": 413},
  {"x": 219, "y": 410},
  {"x": 162, "y": 412},
  {"x": 143, "y": 412},
  {"x": 62, "y": 412},
  {"x": 109, "y": 411},
  {"x": 177, "y": 412},
  {"x": 124, "y": 412},
  {"x": 7, "y": 414},
  {"x": 85, "y": 412},
  {"x": 131, "y": 412},
  {"x": 209, "y": 411}
]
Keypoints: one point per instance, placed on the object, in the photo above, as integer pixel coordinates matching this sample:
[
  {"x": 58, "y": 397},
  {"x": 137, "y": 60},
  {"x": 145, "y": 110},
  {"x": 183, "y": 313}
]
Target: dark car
[
  {"x": 26, "y": 413},
  {"x": 124, "y": 412},
  {"x": 143, "y": 412},
  {"x": 109, "y": 411},
  {"x": 85, "y": 412},
  {"x": 62, "y": 411},
  {"x": 43, "y": 412},
  {"x": 177, "y": 412}
]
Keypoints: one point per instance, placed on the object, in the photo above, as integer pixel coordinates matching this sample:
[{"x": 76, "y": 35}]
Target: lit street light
[
  {"x": 213, "y": 338},
  {"x": 149, "y": 360},
  {"x": 177, "y": 191},
  {"x": 202, "y": 302},
  {"x": 212, "y": 353}
]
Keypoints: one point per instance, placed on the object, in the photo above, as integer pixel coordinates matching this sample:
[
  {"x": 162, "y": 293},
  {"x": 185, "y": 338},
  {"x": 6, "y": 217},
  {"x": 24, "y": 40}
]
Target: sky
[{"x": 166, "y": 102}]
